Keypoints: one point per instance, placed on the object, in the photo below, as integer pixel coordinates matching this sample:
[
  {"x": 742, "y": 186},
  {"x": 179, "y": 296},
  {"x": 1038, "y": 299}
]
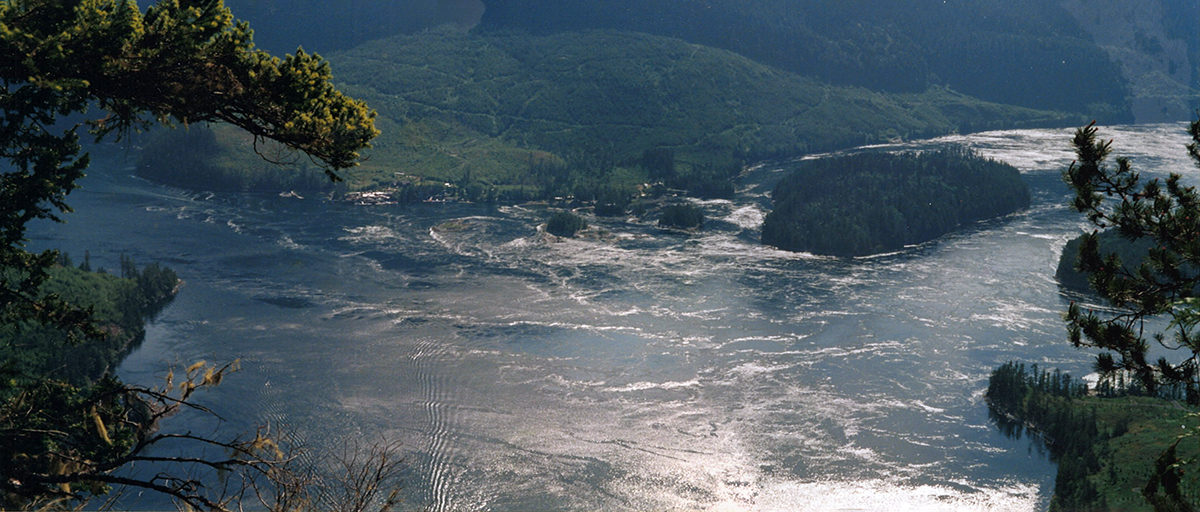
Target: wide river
[{"x": 637, "y": 369}]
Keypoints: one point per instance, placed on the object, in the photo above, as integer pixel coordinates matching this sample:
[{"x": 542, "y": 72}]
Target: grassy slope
[
  {"x": 1128, "y": 460},
  {"x": 452, "y": 103}
]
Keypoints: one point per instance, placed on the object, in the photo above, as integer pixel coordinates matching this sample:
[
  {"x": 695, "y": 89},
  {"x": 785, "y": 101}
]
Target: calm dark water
[{"x": 631, "y": 370}]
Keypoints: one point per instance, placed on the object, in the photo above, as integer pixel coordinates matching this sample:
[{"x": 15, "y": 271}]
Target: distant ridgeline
[
  {"x": 1138, "y": 54},
  {"x": 511, "y": 116},
  {"x": 1131, "y": 252},
  {"x": 870, "y": 203},
  {"x": 122, "y": 304}
]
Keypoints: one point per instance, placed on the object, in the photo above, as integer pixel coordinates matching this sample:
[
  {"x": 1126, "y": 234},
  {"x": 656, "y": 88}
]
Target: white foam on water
[
  {"x": 643, "y": 386},
  {"x": 882, "y": 495}
]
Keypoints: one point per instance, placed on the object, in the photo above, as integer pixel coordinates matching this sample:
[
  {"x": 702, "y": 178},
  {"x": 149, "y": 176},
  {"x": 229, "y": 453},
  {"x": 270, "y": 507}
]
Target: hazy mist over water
[{"x": 637, "y": 369}]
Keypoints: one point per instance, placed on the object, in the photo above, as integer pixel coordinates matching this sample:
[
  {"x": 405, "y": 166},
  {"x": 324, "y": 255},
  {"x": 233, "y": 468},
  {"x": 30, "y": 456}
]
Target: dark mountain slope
[
  {"x": 485, "y": 103},
  {"x": 1023, "y": 52}
]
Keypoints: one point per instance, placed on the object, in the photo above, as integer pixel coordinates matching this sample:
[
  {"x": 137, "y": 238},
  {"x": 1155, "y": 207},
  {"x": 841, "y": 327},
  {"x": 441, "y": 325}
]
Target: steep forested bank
[
  {"x": 1107, "y": 444},
  {"x": 877, "y": 202},
  {"x": 121, "y": 303}
]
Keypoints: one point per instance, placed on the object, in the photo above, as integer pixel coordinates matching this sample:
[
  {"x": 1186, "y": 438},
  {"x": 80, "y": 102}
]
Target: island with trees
[
  {"x": 1131, "y": 254},
  {"x": 565, "y": 224},
  {"x": 870, "y": 203},
  {"x": 682, "y": 216}
]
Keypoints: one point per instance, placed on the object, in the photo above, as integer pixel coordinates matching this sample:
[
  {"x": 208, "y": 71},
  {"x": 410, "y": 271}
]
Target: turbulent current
[{"x": 631, "y": 369}]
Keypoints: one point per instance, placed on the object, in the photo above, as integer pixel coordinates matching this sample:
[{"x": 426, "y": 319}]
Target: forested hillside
[
  {"x": 1156, "y": 44},
  {"x": 542, "y": 98},
  {"x": 544, "y": 113},
  {"x": 1140, "y": 56},
  {"x": 1023, "y": 52}
]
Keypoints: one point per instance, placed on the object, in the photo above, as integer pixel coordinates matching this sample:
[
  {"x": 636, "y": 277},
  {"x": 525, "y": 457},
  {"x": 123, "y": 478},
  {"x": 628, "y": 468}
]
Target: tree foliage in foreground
[
  {"x": 183, "y": 61},
  {"x": 876, "y": 202},
  {"x": 1166, "y": 213}
]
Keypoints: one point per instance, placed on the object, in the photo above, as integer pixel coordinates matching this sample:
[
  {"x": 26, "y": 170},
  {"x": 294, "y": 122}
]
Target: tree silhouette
[
  {"x": 1163, "y": 285},
  {"x": 181, "y": 61}
]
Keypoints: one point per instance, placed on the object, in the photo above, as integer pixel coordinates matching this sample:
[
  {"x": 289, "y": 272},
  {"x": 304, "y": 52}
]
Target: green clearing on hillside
[
  {"x": 1105, "y": 447},
  {"x": 540, "y": 114}
]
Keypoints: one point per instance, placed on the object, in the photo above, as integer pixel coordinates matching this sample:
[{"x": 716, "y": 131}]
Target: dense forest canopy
[
  {"x": 1026, "y": 53},
  {"x": 1141, "y": 57},
  {"x": 876, "y": 202}
]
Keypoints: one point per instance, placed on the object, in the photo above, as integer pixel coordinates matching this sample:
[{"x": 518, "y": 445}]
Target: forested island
[
  {"x": 682, "y": 216},
  {"x": 1107, "y": 442},
  {"x": 870, "y": 203},
  {"x": 565, "y": 224},
  {"x": 121, "y": 304}
]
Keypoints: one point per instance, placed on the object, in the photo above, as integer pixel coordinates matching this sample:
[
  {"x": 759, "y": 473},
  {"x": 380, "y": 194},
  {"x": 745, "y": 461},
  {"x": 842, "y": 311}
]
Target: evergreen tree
[
  {"x": 184, "y": 61},
  {"x": 1169, "y": 219},
  {"x": 1167, "y": 214}
]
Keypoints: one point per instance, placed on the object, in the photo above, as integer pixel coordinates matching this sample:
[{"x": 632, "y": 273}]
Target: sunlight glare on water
[{"x": 630, "y": 369}]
